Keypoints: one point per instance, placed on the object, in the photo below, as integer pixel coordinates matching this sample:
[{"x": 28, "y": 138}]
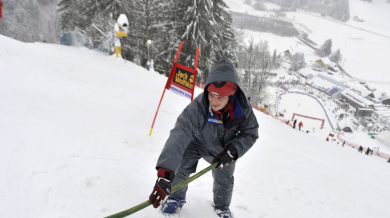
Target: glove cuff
[{"x": 166, "y": 174}]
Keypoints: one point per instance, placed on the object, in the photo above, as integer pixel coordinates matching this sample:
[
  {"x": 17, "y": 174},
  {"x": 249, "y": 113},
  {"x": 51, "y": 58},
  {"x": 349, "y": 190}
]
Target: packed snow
[
  {"x": 74, "y": 128},
  {"x": 364, "y": 46}
]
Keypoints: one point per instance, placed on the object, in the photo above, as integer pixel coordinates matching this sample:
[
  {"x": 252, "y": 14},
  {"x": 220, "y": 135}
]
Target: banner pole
[
  {"x": 196, "y": 60},
  {"x": 162, "y": 96},
  {"x": 196, "y": 73},
  {"x": 178, "y": 52},
  {"x": 166, "y": 86}
]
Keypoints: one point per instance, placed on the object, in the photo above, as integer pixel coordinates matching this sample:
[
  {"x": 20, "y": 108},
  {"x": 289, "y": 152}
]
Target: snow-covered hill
[
  {"x": 364, "y": 46},
  {"x": 74, "y": 142}
]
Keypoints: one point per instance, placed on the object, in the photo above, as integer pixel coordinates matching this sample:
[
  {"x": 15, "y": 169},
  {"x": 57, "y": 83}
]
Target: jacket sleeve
[
  {"x": 181, "y": 135},
  {"x": 248, "y": 134}
]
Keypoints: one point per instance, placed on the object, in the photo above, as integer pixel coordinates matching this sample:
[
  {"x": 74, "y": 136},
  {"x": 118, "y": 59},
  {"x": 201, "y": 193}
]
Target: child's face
[{"x": 217, "y": 103}]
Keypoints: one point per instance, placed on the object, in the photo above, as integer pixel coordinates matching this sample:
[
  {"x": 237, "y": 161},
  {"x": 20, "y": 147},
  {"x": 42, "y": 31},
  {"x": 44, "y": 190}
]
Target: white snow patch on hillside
[{"x": 74, "y": 138}]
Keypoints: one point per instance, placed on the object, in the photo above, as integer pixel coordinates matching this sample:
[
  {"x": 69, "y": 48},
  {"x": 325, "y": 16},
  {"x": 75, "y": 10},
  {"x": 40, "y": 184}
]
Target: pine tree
[
  {"x": 274, "y": 59},
  {"x": 298, "y": 61},
  {"x": 198, "y": 33},
  {"x": 259, "y": 6},
  {"x": 114, "y": 8},
  {"x": 250, "y": 55},
  {"x": 254, "y": 90},
  {"x": 326, "y": 49},
  {"x": 228, "y": 46},
  {"x": 71, "y": 15},
  {"x": 336, "y": 56}
]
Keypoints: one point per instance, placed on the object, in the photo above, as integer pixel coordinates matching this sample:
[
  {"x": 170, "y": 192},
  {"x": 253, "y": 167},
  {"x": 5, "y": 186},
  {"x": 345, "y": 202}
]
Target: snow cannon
[
  {"x": 123, "y": 24},
  {"x": 120, "y": 28}
]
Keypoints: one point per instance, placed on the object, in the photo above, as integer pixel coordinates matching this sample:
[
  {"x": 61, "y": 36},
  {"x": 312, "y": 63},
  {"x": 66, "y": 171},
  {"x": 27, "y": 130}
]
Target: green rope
[{"x": 174, "y": 189}]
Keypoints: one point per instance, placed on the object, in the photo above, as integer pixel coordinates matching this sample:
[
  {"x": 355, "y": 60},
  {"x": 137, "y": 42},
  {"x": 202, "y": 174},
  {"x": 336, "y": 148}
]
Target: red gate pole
[
  {"x": 165, "y": 87},
  {"x": 151, "y": 129},
  {"x": 1, "y": 11},
  {"x": 196, "y": 73}
]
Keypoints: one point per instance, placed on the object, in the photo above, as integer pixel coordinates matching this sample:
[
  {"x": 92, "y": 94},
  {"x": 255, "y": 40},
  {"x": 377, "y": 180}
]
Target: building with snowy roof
[
  {"x": 307, "y": 73},
  {"x": 327, "y": 63},
  {"x": 355, "y": 99}
]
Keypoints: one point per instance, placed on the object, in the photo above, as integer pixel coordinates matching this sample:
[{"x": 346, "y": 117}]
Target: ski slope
[
  {"x": 74, "y": 128},
  {"x": 307, "y": 106},
  {"x": 365, "y": 46}
]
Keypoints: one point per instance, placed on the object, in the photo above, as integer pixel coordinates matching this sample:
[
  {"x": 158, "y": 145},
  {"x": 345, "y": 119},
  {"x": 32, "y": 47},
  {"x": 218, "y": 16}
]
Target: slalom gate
[
  {"x": 313, "y": 118},
  {"x": 295, "y": 92}
]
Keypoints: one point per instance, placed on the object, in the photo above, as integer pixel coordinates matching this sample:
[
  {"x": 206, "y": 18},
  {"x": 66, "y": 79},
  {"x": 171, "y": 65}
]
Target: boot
[
  {"x": 226, "y": 213},
  {"x": 171, "y": 205}
]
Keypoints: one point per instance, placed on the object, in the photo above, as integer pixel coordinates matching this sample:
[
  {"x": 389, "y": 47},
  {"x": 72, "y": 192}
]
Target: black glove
[
  {"x": 226, "y": 157},
  {"x": 162, "y": 188}
]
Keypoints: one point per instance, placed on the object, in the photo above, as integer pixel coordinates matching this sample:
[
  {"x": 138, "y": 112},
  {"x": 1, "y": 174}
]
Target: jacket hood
[{"x": 223, "y": 70}]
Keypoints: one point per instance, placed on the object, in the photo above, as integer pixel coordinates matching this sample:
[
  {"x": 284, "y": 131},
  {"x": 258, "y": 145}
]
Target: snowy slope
[
  {"x": 364, "y": 46},
  {"x": 74, "y": 139},
  {"x": 376, "y": 15}
]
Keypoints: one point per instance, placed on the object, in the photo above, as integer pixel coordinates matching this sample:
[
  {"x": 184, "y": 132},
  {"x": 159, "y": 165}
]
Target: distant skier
[
  {"x": 368, "y": 151},
  {"x": 300, "y": 125},
  {"x": 295, "y": 123},
  {"x": 313, "y": 130},
  {"x": 360, "y": 149},
  {"x": 343, "y": 143},
  {"x": 388, "y": 161},
  {"x": 288, "y": 122}
]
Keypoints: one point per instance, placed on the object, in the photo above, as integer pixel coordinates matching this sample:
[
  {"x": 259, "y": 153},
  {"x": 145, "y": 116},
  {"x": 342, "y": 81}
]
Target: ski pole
[{"x": 174, "y": 189}]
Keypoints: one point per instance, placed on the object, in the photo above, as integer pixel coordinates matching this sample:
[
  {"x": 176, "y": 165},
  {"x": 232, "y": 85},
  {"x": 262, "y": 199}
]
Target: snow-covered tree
[
  {"x": 206, "y": 24},
  {"x": 229, "y": 46},
  {"x": 198, "y": 33},
  {"x": 256, "y": 61},
  {"x": 259, "y": 6},
  {"x": 326, "y": 49},
  {"x": 274, "y": 58},
  {"x": 304, "y": 35},
  {"x": 71, "y": 15},
  {"x": 336, "y": 56},
  {"x": 257, "y": 91},
  {"x": 298, "y": 61}
]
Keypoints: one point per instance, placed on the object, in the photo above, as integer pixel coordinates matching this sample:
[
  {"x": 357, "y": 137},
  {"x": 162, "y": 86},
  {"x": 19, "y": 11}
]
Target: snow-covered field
[
  {"x": 365, "y": 52},
  {"x": 308, "y": 106},
  {"x": 74, "y": 139}
]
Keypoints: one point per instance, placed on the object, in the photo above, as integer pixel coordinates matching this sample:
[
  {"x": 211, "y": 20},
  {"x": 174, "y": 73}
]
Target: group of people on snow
[{"x": 369, "y": 151}]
